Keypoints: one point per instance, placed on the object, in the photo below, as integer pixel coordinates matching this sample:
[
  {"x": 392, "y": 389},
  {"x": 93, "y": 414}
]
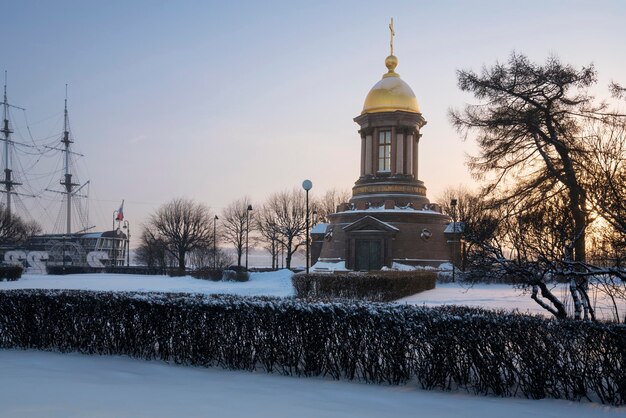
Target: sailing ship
[{"x": 72, "y": 243}]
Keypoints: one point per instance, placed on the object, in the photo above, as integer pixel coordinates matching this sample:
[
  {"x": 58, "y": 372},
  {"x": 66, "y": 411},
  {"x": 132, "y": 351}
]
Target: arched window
[{"x": 384, "y": 150}]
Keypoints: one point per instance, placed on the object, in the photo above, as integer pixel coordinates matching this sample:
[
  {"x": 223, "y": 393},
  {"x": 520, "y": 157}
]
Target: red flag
[{"x": 120, "y": 213}]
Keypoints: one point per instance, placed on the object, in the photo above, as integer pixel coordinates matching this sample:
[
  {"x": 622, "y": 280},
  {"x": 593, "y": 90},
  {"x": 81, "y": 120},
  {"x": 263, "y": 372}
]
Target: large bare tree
[
  {"x": 527, "y": 128},
  {"x": 530, "y": 128},
  {"x": 237, "y": 220},
  {"x": 283, "y": 221},
  {"x": 183, "y": 225},
  {"x": 534, "y": 159}
]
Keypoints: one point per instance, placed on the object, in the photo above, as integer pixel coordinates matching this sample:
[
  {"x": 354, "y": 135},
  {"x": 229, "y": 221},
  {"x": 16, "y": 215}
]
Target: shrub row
[
  {"x": 143, "y": 270},
  {"x": 447, "y": 348},
  {"x": 383, "y": 286},
  {"x": 207, "y": 273},
  {"x": 62, "y": 270},
  {"x": 10, "y": 273}
]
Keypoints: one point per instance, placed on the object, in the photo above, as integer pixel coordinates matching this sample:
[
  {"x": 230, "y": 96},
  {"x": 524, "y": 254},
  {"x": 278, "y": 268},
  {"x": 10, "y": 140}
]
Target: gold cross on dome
[{"x": 392, "y": 35}]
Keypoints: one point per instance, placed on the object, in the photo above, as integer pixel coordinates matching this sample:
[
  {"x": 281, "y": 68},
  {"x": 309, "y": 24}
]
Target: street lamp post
[
  {"x": 215, "y": 218},
  {"x": 453, "y": 203},
  {"x": 248, "y": 209},
  {"x": 307, "y": 185},
  {"x": 127, "y": 228}
]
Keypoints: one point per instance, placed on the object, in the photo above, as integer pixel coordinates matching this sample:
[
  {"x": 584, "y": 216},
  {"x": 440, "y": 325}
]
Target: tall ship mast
[
  {"x": 8, "y": 182},
  {"x": 71, "y": 189},
  {"x": 67, "y": 180}
]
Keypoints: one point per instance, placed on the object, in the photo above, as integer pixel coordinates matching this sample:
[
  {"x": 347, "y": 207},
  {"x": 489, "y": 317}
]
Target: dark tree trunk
[{"x": 181, "y": 260}]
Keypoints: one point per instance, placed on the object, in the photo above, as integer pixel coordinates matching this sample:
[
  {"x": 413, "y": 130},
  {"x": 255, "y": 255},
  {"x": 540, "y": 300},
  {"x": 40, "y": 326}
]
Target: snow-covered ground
[
  {"x": 277, "y": 283},
  {"x": 41, "y": 384},
  {"x": 50, "y": 385},
  {"x": 489, "y": 296},
  {"x": 502, "y": 296}
]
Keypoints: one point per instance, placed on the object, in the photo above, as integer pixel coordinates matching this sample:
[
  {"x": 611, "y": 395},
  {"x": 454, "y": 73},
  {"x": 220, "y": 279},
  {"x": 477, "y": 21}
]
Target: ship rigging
[{"x": 70, "y": 241}]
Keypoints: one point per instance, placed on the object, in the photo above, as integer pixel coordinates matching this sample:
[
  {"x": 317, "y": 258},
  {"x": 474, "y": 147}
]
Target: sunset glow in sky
[{"x": 217, "y": 100}]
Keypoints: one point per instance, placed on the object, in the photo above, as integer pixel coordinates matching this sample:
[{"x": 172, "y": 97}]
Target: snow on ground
[
  {"x": 278, "y": 283},
  {"x": 489, "y": 296},
  {"x": 502, "y": 296},
  {"x": 50, "y": 385},
  {"x": 275, "y": 283}
]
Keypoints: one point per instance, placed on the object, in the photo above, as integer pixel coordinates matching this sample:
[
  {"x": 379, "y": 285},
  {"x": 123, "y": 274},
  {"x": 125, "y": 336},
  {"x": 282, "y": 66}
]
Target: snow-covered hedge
[
  {"x": 383, "y": 286},
  {"x": 445, "y": 348}
]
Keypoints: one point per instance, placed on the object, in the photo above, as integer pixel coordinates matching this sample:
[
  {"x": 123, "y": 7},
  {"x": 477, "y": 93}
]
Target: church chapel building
[{"x": 389, "y": 221}]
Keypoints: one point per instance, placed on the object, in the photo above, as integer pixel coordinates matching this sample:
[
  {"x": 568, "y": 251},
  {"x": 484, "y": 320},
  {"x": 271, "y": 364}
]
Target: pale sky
[{"x": 217, "y": 100}]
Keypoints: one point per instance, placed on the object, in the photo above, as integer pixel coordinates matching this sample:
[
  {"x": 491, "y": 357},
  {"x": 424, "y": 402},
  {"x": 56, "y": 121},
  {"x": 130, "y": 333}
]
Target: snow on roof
[
  {"x": 319, "y": 228},
  {"x": 401, "y": 209},
  {"x": 92, "y": 235},
  {"x": 453, "y": 227},
  {"x": 370, "y": 219},
  {"x": 329, "y": 266}
]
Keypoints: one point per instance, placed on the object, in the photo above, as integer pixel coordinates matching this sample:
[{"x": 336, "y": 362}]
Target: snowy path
[
  {"x": 276, "y": 283},
  {"x": 50, "y": 385}
]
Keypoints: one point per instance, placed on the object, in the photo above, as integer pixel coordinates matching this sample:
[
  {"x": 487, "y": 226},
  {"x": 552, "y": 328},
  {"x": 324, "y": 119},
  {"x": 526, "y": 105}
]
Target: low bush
[
  {"x": 62, "y": 270},
  {"x": 236, "y": 276},
  {"x": 445, "y": 348},
  {"x": 383, "y": 286},
  {"x": 11, "y": 273},
  {"x": 237, "y": 268},
  {"x": 207, "y": 273},
  {"x": 176, "y": 272},
  {"x": 143, "y": 270}
]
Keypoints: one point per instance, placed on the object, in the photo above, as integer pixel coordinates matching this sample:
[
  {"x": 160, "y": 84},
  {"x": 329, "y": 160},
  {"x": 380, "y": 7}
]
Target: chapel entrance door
[{"x": 368, "y": 255}]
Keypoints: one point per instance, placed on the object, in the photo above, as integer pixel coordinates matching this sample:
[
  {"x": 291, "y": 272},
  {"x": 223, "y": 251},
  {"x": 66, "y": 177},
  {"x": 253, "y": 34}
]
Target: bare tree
[
  {"x": 283, "y": 222},
  {"x": 152, "y": 251},
  {"x": 327, "y": 204},
  {"x": 617, "y": 90},
  {"x": 266, "y": 227},
  {"x": 525, "y": 248},
  {"x": 235, "y": 219},
  {"x": 183, "y": 225},
  {"x": 14, "y": 230},
  {"x": 471, "y": 210},
  {"x": 466, "y": 202},
  {"x": 209, "y": 257},
  {"x": 604, "y": 167}
]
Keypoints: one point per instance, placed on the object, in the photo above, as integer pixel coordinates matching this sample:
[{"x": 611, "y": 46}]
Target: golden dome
[{"x": 390, "y": 93}]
